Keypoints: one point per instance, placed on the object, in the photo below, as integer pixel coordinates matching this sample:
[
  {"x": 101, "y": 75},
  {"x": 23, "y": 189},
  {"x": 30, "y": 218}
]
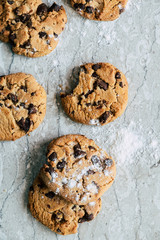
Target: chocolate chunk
[
  {"x": 24, "y": 124},
  {"x": 78, "y": 153},
  {"x": 42, "y": 9},
  {"x": 63, "y": 95},
  {"x": 95, "y": 159},
  {"x": 88, "y": 104},
  {"x": 25, "y": 44},
  {"x": 24, "y": 18},
  {"x": 121, "y": 10},
  {"x": 95, "y": 75},
  {"x": 12, "y": 37},
  {"x": 31, "y": 189},
  {"x": 33, "y": 93},
  {"x": 16, "y": 11},
  {"x": 24, "y": 88},
  {"x": 41, "y": 185},
  {"x": 121, "y": 84},
  {"x": 58, "y": 230},
  {"x": 89, "y": 92},
  {"x": 31, "y": 109},
  {"x": 50, "y": 170},
  {"x": 87, "y": 217},
  {"x": 50, "y": 195},
  {"x": 104, "y": 117},
  {"x": 29, "y": 24},
  {"x": 12, "y": 97},
  {"x": 10, "y": 2},
  {"x": 102, "y": 84},
  {"x": 42, "y": 34},
  {"x": 89, "y": 9},
  {"x": 95, "y": 67},
  {"x": 53, "y": 156},
  {"x": 22, "y": 105},
  {"x": 81, "y": 6},
  {"x": 1, "y": 87},
  {"x": 61, "y": 165},
  {"x": 8, "y": 28},
  {"x": 48, "y": 206},
  {"x": 1, "y": 105},
  {"x": 55, "y": 35},
  {"x": 118, "y": 75},
  {"x": 108, "y": 162},
  {"x": 89, "y": 172},
  {"x": 91, "y": 148},
  {"x": 76, "y": 6},
  {"x": 83, "y": 69},
  {"x": 54, "y": 7}
]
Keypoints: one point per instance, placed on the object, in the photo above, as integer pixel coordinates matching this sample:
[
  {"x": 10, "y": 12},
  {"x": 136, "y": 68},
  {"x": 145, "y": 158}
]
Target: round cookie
[
  {"x": 78, "y": 169},
  {"x": 107, "y": 10},
  {"x": 22, "y": 105},
  {"x": 30, "y": 26},
  {"x": 100, "y": 97},
  {"x": 56, "y": 213}
]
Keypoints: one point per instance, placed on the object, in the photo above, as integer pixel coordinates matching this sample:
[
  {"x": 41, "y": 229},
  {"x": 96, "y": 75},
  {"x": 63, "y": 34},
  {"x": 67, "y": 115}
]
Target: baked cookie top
[
  {"x": 22, "y": 105},
  {"x": 77, "y": 169},
  {"x": 30, "y": 26},
  {"x": 100, "y": 97},
  {"x": 56, "y": 213},
  {"x": 107, "y": 10}
]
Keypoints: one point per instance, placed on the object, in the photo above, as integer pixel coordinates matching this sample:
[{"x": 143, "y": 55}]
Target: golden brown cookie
[
  {"x": 22, "y": 105},
  {"x": 77, "y": 169},
  {"x": 107, "y": 10},
  {"x": 30, "y": 26},
  {"x": 100, "y": 97},
  {"x": 56, "y": 213}
]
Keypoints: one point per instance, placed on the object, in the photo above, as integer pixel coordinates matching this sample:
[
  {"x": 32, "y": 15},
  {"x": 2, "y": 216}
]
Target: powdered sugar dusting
[
  {"x": 126, "y": 143},
  {"x": 71, "y": 183},
  {"x": 92, "y": 204},
  {"x": 94, "y": 122}
]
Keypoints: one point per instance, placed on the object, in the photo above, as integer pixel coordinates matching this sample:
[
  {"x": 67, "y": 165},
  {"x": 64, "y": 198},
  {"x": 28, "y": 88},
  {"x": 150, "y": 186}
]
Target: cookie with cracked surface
[
  {"x": 107, "y": 10},
  {"x": 31, "y": 27},
  {"x": 100, "y": 97},
  {"x": 78, "y": 169},
  {"x": 56, "y": 213},
  {"x": 22, "y": 105}
]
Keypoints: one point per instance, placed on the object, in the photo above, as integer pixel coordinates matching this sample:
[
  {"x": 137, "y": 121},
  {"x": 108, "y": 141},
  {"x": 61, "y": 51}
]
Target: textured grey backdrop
[{"x": 131, "y": 207}]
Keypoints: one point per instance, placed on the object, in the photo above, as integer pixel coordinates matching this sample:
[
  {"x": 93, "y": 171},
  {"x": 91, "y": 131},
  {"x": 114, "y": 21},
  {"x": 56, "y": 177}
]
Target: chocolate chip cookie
[
  {"x": 107, "y": 10},
  {"x": 100, "y": 97},
  {"x": 22, "y": 105},
  {"x": 31, "y": 27},
  {"x": 56, "y": 213},
  {"x": 77, "y": 169}
]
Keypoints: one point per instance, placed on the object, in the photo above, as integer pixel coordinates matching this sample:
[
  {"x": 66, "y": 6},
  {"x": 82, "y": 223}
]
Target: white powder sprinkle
[
  {"x": 54, "y": 176},
  {"x": 64, "y": 180},
  {"x": 84, "y": 199},
  {"x": 94, "y": 122},
  {"x": 72, "y": 183},
  {"x": 92, "y": 204},
  {"x": 57, "y": 191},
  {"x": 50, "y": 35},
  {"x": 107, "y": 173},
  {"x": 92, "y": 188},
  {"x": 77, "y": 198}
]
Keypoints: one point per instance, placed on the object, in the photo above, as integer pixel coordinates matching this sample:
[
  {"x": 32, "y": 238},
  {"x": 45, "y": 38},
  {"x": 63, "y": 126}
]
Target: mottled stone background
[{"x": 131, "y": 207}]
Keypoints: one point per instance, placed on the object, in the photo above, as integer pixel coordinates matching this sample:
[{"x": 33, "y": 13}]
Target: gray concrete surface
[{"x": 131, "y": 207}]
